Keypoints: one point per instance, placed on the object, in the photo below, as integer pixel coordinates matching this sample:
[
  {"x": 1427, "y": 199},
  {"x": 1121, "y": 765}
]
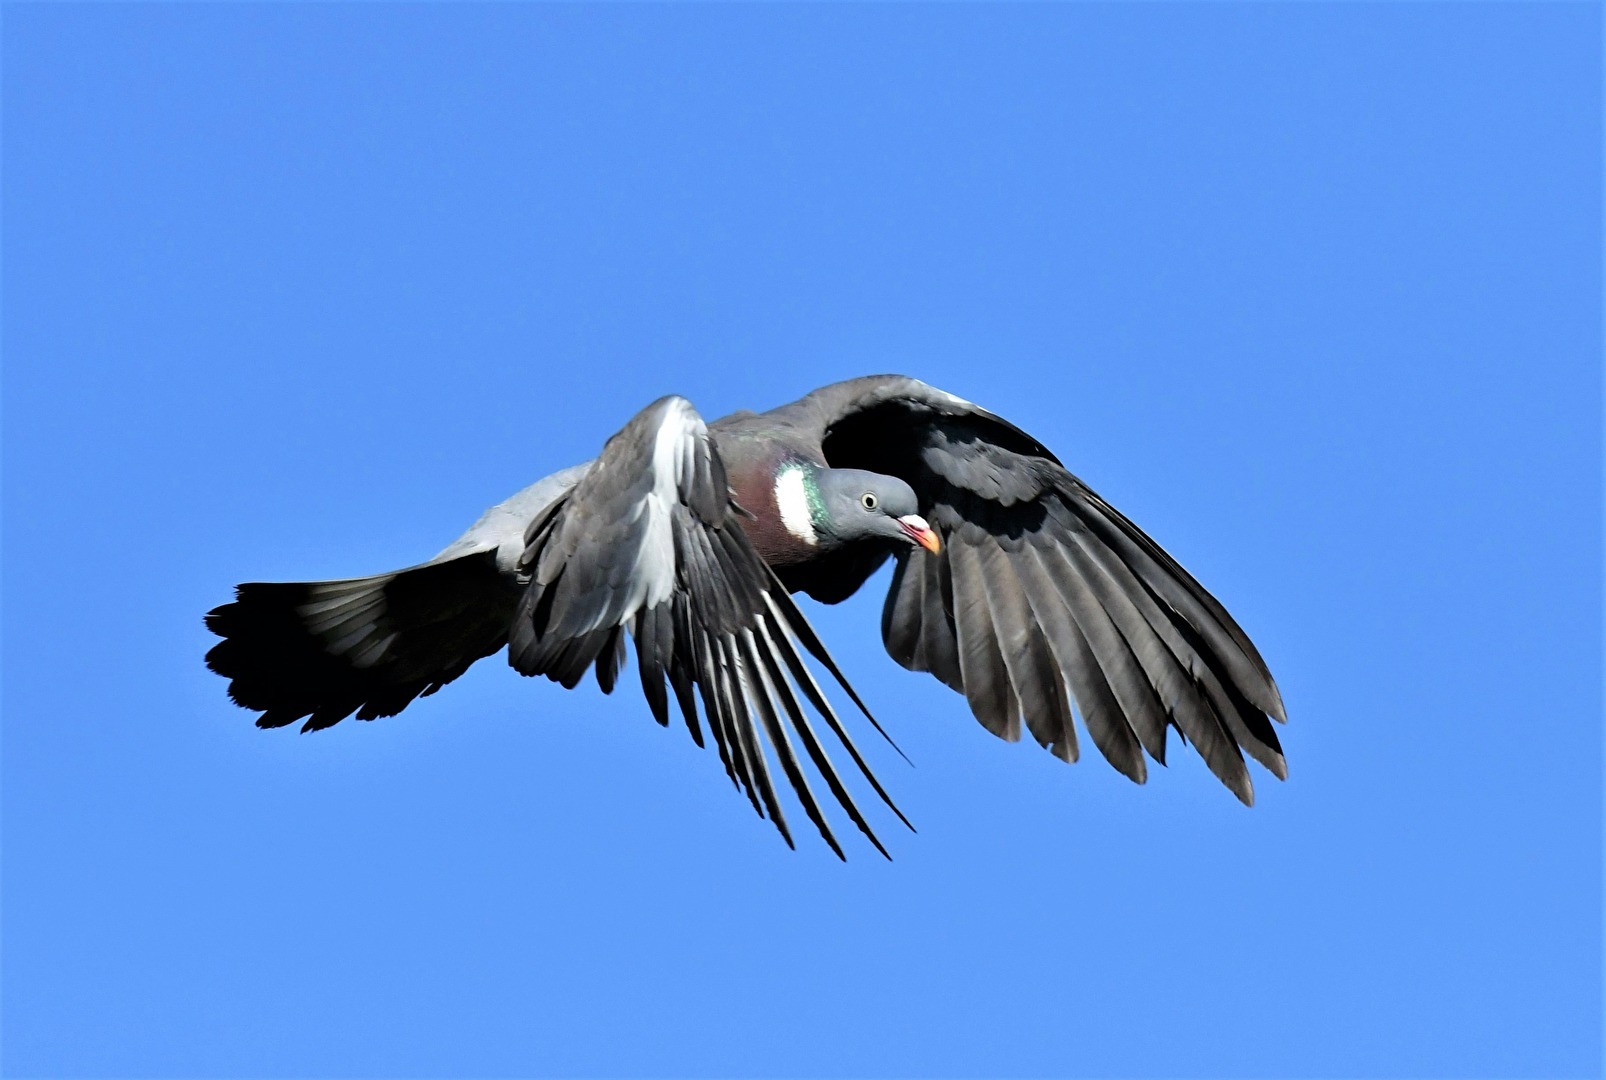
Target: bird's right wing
[{"x": 649, "y": 542}]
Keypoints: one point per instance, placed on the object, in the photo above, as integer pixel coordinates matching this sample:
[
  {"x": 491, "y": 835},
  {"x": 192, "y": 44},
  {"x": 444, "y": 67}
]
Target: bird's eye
[{"x": 869, "y": 501}]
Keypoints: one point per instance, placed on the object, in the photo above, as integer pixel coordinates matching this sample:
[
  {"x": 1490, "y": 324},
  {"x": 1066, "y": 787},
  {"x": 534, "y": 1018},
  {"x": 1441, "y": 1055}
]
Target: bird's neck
[{"x": 784, "y": 499}]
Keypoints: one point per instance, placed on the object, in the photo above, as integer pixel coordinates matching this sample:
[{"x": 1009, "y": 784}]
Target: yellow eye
[{"x": 869, "y": 501}]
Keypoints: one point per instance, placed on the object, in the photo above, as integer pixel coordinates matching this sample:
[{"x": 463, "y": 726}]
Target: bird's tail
[{"x": 326, "y": 649}]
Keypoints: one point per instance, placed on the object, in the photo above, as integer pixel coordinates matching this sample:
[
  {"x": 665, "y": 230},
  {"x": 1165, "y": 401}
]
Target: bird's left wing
[
  {"x": 1044, "y": 597},
  {"x": 649, "y": 542}
]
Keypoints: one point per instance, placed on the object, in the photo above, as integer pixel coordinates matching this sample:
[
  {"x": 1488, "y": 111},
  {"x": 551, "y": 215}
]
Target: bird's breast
[
  {"x": 752, "y": 469},
  {"x": 766, "y": 528}
]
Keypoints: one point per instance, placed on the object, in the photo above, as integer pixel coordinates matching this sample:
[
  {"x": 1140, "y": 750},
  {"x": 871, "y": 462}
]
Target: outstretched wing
[
  {"x": 648, "y": 542},
  {"x": 1045, "y": 598}
]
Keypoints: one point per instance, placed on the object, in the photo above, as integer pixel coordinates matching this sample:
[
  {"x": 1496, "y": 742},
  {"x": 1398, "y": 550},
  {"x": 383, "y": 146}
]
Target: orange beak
[{"x": 921, "y": 533}]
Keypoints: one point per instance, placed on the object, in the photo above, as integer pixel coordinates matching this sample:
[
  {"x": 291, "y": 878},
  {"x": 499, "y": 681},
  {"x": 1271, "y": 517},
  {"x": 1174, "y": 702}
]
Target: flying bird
[{"x": 1015, "y": 585}]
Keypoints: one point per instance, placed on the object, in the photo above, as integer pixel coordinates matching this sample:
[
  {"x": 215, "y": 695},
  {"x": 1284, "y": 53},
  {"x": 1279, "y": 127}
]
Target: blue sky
[{"x": 1312, "y": 292}]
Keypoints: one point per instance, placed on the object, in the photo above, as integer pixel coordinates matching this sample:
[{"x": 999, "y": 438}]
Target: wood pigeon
[{"x": 1015, "y": 585}]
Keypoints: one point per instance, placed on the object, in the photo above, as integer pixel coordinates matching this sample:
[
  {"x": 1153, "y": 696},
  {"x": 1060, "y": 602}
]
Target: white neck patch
[{"x": 792, "y": 500}]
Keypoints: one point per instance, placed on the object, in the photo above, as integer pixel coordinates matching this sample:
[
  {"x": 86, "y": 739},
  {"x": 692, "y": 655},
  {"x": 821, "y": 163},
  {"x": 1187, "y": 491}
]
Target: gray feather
[{"x": 1044, "y": 593}]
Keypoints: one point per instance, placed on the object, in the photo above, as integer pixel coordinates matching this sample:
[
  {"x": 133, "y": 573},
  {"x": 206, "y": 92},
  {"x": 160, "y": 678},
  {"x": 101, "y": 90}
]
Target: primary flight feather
[{"x": 1015, "y": 585}]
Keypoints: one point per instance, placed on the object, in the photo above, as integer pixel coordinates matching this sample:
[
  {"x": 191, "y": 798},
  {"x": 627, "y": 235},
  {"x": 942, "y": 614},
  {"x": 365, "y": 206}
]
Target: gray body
[
  {"x": 501, "y": 528},
  {"x": 1026, "y": 593}
]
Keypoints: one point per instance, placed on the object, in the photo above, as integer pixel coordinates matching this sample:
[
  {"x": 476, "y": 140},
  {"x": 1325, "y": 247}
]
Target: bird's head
[{"x": 849, "y": 505}]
